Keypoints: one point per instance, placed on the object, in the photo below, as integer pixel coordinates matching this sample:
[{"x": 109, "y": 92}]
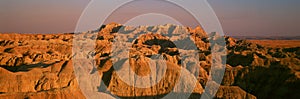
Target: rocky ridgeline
[{"x": 40, "y": 65}]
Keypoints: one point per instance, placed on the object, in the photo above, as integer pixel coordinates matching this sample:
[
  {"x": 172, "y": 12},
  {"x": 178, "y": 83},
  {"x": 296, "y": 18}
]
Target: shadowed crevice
[{"x": 25, "y": 68}]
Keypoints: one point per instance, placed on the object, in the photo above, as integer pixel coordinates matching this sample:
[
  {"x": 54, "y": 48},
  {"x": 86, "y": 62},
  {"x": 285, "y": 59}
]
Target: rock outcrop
[{"x": 40, "y": 65}]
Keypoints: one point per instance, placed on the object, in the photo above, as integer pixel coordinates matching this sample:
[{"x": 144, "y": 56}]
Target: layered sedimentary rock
[{"x": 40, "y": 65}]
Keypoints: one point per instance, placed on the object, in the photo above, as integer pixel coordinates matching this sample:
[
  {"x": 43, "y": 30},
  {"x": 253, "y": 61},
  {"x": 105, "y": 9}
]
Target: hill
[{"x": 41, "y": 65}]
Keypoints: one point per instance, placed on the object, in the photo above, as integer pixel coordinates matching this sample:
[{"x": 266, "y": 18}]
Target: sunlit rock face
[{"x": 40, "y": 65}]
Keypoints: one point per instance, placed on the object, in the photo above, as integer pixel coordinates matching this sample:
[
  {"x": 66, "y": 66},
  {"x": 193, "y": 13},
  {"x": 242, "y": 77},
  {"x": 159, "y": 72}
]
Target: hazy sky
[{"x": 238, "y": 17}]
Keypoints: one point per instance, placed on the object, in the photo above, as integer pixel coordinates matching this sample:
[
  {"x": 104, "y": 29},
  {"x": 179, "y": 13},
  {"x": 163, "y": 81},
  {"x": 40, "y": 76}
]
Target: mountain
[{"x": 42, "y": 65}]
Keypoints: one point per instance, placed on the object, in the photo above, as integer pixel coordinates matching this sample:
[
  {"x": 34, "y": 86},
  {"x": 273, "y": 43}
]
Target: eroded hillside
[{"x": 40, "y": 65}]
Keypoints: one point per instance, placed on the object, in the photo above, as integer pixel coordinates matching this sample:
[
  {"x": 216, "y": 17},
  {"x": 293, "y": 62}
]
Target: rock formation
[{"x": 40, "y": 65}]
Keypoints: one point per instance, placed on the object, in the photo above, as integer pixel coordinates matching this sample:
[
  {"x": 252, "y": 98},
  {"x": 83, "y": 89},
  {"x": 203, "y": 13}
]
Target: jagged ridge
[{"x": 39, "y": 65}]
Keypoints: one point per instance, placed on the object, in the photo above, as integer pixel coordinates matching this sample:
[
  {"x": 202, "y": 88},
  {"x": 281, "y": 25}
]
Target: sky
[{"x": 237, "y": 17}]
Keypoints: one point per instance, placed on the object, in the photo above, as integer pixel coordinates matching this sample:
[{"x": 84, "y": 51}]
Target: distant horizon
[{"x": 296, "y": 36}]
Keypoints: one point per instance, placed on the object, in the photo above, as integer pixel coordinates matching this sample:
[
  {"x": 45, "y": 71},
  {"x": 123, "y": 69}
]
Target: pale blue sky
[{"x": 238, "y": 17}]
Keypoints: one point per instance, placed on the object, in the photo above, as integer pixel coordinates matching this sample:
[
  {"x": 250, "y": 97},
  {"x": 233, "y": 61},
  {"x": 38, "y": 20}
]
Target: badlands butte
[{"x": 35, "y": 66}]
